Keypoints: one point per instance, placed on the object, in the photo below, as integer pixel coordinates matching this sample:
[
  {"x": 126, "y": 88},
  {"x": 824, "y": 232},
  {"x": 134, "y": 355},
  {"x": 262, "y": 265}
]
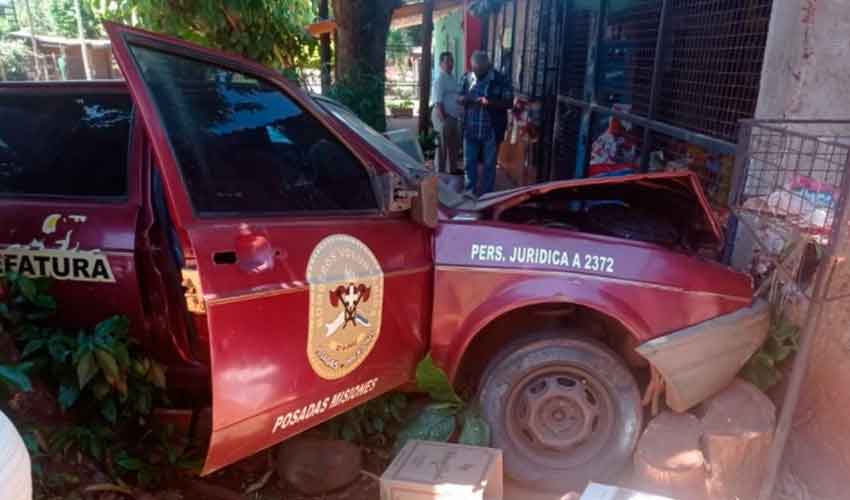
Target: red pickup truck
[{"x": 287, "y": 262}]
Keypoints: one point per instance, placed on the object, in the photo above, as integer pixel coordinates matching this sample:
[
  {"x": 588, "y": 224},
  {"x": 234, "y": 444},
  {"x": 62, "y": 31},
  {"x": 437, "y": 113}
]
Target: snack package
[
  {"x": 805, "y": 201},
  {"x": 617, "y": 147},
  {"x": 818, "y": 193}
]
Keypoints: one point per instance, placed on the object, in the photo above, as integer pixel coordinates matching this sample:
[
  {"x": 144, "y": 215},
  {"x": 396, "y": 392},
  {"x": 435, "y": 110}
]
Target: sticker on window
[{"x": 55, "y": 255}]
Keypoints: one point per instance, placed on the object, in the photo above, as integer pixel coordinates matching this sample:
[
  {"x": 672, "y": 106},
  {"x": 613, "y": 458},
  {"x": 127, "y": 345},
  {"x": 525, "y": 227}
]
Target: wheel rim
[{"x": 559, "y": 416}]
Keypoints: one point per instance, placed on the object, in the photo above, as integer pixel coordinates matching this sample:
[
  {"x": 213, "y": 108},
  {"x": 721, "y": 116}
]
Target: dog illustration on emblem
[
  {"x": 349, "y": 296},
  {"x": 346, "y": 301}
]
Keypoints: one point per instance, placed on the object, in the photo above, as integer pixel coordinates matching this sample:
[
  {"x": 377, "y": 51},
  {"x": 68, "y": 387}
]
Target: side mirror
[
  {"x": 423, "y": 202},
  {"x": 424, "y": 206}
]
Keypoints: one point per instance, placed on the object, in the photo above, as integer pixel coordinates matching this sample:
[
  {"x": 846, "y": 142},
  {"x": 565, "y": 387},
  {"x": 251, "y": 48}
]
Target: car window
[
  {"x": 64, "y": 145},
  {"x": 244, "y": 147},
  {"x": 372, "y": 136},
  {"x": 391, "y": 151}
]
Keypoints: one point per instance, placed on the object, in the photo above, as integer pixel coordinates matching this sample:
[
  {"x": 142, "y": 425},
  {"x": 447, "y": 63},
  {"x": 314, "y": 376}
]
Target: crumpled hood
[{"x": 682, "y": 182}]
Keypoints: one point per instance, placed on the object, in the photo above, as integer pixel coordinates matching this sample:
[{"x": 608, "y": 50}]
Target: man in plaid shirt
[{"x": 486, "y": 96}]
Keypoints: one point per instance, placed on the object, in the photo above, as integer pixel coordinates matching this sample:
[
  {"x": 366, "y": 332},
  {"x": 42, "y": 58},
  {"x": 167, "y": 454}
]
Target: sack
[{"x": 436, "y": 121}]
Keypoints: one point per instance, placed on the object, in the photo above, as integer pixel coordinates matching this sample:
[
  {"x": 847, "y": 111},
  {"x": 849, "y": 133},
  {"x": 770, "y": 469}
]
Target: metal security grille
[
  {"x": 531, "y": 57},
  {"x": 574, "y": 50},
  {"x": 567, "y": 130},
  {"x": 684, "y": 70},
  {"x": 794, "y": 171},
  {"x": 550, "y": 45},
  {"x": 716, "y": 49},
  {"x": 520, "y": 20},
  {"x": 627, "y": 55}
]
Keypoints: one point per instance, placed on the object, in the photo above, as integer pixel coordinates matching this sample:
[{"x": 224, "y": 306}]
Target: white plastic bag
[{"x": 15, "y": 471}]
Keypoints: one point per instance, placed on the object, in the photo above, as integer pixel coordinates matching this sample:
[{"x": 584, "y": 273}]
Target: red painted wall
[{"x": 472, "y": 36}]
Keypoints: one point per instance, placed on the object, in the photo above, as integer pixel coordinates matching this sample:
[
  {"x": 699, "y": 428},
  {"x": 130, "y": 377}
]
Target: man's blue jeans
[{"x": 475, "y": 150}]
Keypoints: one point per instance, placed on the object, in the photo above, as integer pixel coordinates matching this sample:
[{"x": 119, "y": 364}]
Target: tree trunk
[
  {"x": 668, "y": 460},
  {"x": 425, "y": 67},
  {"x": 35, "y": 64},
  {"x": 81, "y": 34},
  {"x": 325, "y": 49},
  {"x": 336, "y": 55},
  {"x": 738, "y": 426},
  {"x": 362, "y": 29}
]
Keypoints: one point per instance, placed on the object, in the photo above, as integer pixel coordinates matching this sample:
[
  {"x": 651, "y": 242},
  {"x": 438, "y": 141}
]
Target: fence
[
  {"x": 789, "y": 196},
  {"x": 683, "y": 68}
]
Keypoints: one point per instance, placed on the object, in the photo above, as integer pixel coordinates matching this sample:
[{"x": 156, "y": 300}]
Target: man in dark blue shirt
[{"x": 486, "y": 96}]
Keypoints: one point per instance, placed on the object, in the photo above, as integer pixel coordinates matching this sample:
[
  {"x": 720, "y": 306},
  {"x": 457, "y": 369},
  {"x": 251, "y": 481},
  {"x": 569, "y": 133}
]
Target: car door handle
[
  {"x": 225, "y": 258},
  {"x": 254, "y": 253}
]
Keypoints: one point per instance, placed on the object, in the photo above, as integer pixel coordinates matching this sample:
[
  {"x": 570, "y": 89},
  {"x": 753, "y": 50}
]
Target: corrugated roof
[{"x": 57, "y": 40}]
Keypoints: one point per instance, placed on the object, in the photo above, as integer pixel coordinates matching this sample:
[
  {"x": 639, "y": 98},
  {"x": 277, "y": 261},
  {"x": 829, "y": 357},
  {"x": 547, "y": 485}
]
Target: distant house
[{"x": 62, "y": 59}]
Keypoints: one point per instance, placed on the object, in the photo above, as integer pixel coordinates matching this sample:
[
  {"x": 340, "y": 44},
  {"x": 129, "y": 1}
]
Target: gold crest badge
[{"x": 346, "y": 301}]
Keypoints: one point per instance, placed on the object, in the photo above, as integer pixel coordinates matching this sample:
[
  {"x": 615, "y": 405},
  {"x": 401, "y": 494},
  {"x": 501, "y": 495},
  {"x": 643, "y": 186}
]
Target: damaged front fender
[{"x": 701, "y": 360}]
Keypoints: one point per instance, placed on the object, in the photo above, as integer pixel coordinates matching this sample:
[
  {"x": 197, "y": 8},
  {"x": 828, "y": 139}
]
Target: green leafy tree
[
  {"x": 272, "y": 32},
  {"x": 399, "y": 44},
  {"x": 63, "y": 18},
  {"x": 41, "y": 19},
  {"x": 15, "y": 60}
]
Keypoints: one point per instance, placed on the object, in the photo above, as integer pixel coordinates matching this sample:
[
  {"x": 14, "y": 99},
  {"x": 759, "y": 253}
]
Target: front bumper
[{"x": 701, "y": 360}]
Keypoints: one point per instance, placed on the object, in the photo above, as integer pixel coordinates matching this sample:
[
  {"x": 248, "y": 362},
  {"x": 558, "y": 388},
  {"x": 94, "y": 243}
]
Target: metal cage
[{"x": 790, "y": 178}]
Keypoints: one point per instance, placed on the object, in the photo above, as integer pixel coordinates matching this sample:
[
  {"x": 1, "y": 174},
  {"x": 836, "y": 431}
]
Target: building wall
[
  {"x": 806, "y": 75},
  {"x": 100, "y": 62},
  {"x": 448, "y": 36}
]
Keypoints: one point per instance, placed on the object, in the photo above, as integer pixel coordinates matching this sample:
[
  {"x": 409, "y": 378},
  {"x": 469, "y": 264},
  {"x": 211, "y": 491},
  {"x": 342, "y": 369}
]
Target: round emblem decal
[{"x": 346, "y": 300}]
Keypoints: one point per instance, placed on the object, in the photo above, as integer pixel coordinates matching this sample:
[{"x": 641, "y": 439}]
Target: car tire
[{"x": 564, "y": 410}]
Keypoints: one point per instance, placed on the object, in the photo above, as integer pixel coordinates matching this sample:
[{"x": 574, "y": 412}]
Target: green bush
[
  {"x": 15, "y": 60},
  {"x": 439, "y": 420},
  {"x": 364, "y": 95},
  {"x": 99, "y": 375},
  {"x": 98, "y": 369},
  {"x": 764, "y": 368},
  {"x": 375, "y": 422}
]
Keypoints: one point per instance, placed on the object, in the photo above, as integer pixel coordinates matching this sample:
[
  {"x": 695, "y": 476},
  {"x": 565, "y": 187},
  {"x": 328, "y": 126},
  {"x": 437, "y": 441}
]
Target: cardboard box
[
  {"x": 425, "y": 470},
  {"x": 596, "y": 491}
]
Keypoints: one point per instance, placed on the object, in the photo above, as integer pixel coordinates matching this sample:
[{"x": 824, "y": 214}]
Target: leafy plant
[
  {"x": 399, "y": 43},
  {"x": 272, "y": 32},
  {"x": 764, "y": 368},
  {"x": 157, "y": 453},
  {"x": 93, "y": 440},
  {"x": 439, "y": 420},
  {"x": 97, "y": 368},
  {"x": 63, "y": 17},
  {"x": 428, "y": 143},
  {"x": 22, "y": 301},
  {"x": 375, "y": 422},
  {"x": 15, "y": 376},
  {"x": 146, "y": 458},
  {"x": 99, "y": 373},
  {"x": 15, "y": 60}
]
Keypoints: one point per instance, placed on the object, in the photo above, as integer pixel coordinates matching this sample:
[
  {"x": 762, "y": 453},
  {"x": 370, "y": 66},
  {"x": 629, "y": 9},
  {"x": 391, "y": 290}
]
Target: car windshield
[{"x": 392, "y": 152}]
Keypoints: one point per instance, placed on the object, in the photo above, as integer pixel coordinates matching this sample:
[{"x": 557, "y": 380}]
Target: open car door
[{"x": 312, "y": 304}]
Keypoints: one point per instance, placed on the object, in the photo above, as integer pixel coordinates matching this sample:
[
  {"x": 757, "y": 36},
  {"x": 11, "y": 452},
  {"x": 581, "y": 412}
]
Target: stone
[{"x": 313, "y": 465}]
